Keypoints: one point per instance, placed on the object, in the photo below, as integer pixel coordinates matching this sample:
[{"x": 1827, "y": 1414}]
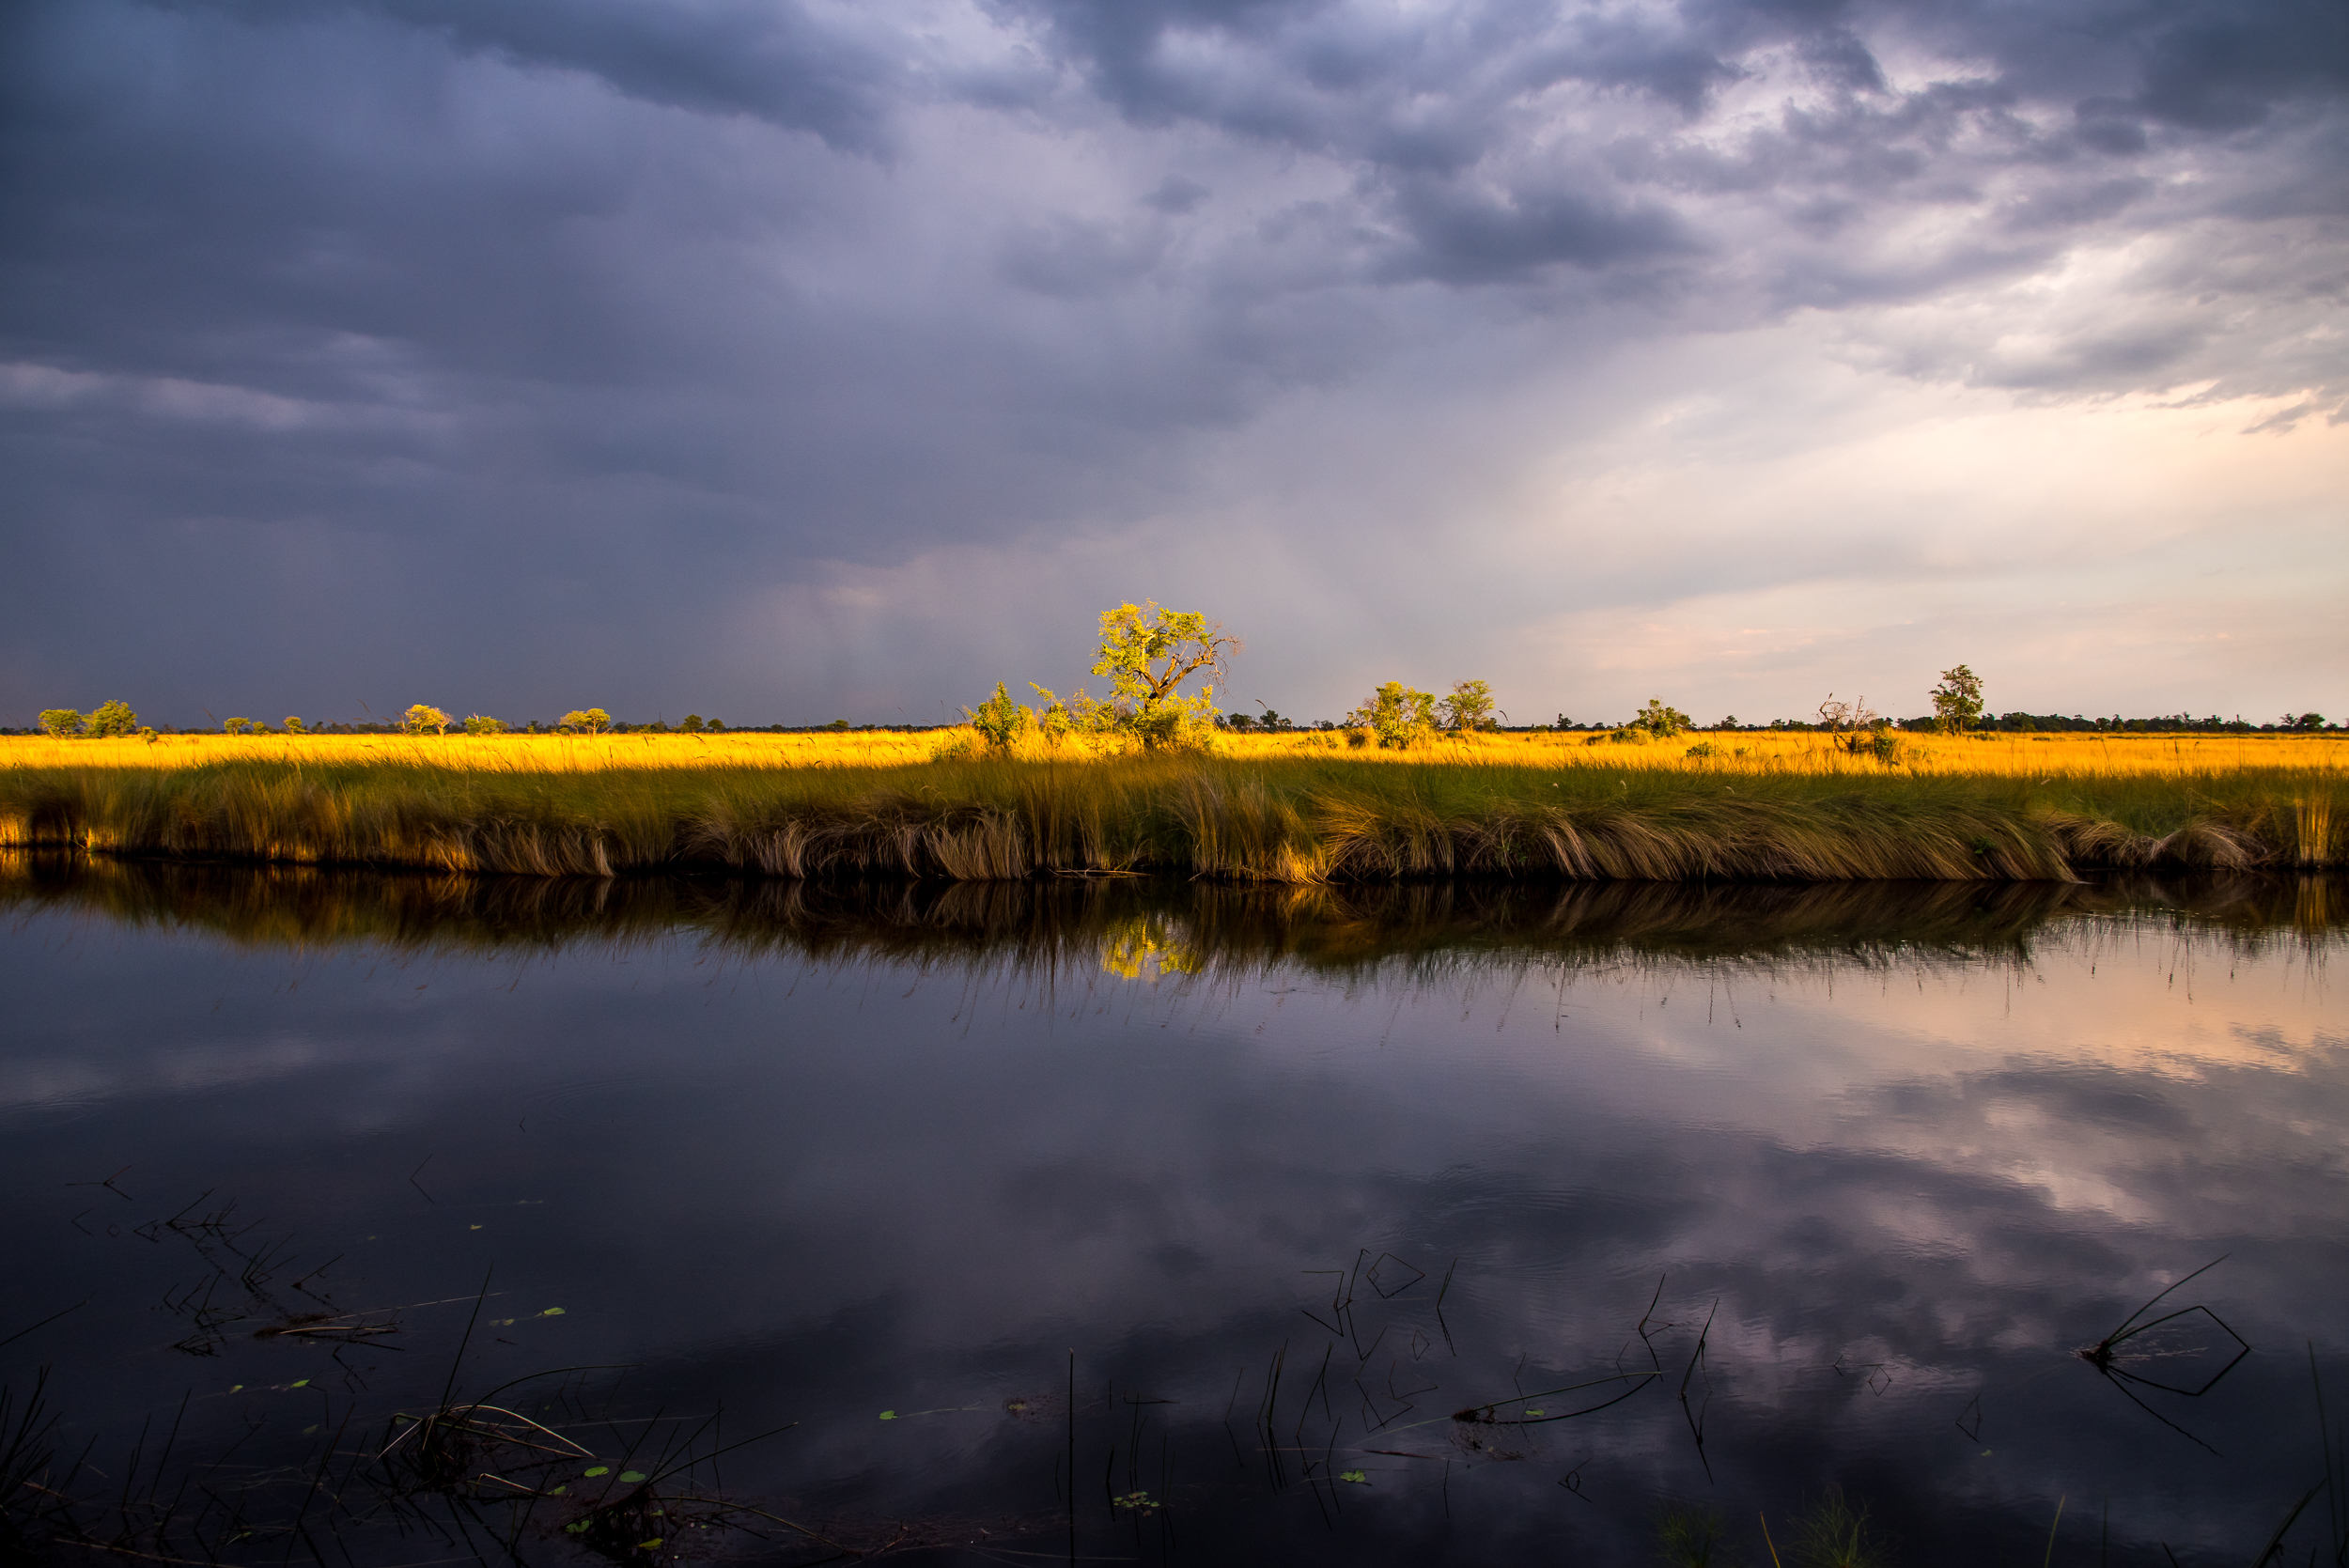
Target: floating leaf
[
  {"x": 235, "y": 1387},
  {"x": 889, "y": 1414},
  {"x": 302, "y": 1383},
  {"x": 473, "y": 1227},
  {"x": 648, "y": 1546},
  {"x": 552, "y": 1311},
  {"x": 600, "y": 1469},
  {"x": 559, "y": 1491},
  {"x": 632, "y": 1476},
  {"x": 308, "y": 1430},
  {"x": 1356, "y": 1477},
  {"x": 579, "y": 1528},
  {"x": 1533, "y": 1412}
]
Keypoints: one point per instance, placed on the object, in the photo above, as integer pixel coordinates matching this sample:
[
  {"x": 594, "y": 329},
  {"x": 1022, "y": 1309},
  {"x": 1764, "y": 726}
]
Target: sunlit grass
[
  {"x": 1760, "y": 751},
  {"x": 1297, "y": 808}
]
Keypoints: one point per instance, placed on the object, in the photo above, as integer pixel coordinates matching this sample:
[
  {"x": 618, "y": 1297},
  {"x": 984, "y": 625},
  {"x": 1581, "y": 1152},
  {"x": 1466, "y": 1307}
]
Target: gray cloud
[{"x": 545, "y": 321}]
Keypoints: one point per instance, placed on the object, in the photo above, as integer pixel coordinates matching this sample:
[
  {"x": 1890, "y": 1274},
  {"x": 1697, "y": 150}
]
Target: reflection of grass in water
[
  {"x": 1693, "y": 1538},
  {"x": 1834, "y": 1534},
  {"x": 1410, "y": 932},
  {"x": 1831, "y": 1533},
  {"x": 1296, "y": 816}
]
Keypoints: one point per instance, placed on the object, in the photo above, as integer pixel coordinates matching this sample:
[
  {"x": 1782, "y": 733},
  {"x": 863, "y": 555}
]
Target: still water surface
[{"x": 1808, "y": 1189}]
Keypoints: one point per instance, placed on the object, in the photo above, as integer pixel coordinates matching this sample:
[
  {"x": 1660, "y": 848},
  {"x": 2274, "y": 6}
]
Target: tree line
[{"x": 1147, "y": 653}]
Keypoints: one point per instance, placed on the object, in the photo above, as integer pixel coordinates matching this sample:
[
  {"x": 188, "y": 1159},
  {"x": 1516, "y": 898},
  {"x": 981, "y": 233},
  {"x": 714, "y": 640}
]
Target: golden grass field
[
  {"x": 1745, "y": 752},
  {"x": 1296, "y": 808}
]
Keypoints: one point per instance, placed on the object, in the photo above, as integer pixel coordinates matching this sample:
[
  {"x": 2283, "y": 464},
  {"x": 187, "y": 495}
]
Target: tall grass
[{"x": 1273, "y": 811}]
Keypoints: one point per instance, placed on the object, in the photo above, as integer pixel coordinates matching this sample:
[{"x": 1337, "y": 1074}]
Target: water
[{"x": 1809, "y": 1189}]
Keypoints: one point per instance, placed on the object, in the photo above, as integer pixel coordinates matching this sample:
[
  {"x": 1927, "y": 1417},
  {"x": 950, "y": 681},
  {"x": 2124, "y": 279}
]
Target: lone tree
[
  {"x": 61, "y": 722},
  {"x": 1147, "y": 652},
  {"x": 423, "y": 717},
  {"x": 1957, "y": 700},
  {"x": 589, "y": 721}
]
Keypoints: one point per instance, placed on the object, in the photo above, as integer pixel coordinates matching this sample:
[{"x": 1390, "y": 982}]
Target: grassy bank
[{"x": 1281, "y": 808}]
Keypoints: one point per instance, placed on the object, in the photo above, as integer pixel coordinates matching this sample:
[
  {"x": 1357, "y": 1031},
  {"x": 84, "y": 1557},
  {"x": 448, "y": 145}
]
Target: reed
[{"x": 1262, "y": 809}]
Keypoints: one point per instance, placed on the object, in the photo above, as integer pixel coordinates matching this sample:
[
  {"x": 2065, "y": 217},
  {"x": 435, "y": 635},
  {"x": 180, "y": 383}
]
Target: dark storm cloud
[
  {"x": 688, "y": 297},
  {"x": 768, "y": 58}
]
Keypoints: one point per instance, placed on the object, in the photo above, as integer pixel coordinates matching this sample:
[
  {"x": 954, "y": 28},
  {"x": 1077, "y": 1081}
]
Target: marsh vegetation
[{"x": 1299, "y": 808}]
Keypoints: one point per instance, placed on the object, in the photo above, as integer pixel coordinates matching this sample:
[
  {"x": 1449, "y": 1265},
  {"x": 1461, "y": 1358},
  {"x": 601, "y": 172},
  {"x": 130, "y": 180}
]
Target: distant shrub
[
  {"x": 295, "y": 727},
  {"x": 238, "y": 726},
  {"x": 1660, "y": 720},
  {"x": 1630, "y": 735},
  {"x": 999, "y": 721},
  {"x": 62, "y": 721},
  {"x": 838, "y": 726},
  {"x": 424, "y": 715},
  {"x": 1470, "y": 707},
  {"x": 1703, "y": 750},
  {"x": 1397, "y": 717},
  {"x": 113, "y": 717},
  {"x": 481, "y": 723},
  {"x": 1054, "y": 720},
  {"x": 584, "y": 721}
]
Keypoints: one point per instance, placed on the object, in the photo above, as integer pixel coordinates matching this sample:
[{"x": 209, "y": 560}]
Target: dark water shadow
[{"x": 1187, "y": 926}]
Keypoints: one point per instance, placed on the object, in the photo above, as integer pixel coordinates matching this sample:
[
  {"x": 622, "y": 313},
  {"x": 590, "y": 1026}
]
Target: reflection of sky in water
[{"x": 1905, "y": 1185}]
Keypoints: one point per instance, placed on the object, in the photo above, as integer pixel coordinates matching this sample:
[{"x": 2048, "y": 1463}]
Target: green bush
[
  {"x": 1660, "y": 720},
  {"x": 1395, "y": 716},
  {"x": 998, "y": 719},
  {"x": 113, "y": 717},
  {"x": 62, "y": 721}
]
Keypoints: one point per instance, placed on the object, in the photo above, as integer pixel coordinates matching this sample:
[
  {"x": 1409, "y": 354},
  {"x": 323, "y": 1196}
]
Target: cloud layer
[{"x": 786, "y": 359}]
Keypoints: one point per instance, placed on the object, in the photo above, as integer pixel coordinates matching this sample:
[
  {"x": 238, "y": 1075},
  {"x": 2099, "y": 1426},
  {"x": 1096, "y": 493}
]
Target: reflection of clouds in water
[{"x": 1910, "y": 1177}]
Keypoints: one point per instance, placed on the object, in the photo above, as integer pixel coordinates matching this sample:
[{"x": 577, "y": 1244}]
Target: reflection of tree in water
[{"x": 1147, "y": 945}]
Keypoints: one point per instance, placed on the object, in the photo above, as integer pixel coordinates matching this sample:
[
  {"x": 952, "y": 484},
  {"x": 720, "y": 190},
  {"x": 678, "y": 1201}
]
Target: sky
[{"x": 787, "y": 360}]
